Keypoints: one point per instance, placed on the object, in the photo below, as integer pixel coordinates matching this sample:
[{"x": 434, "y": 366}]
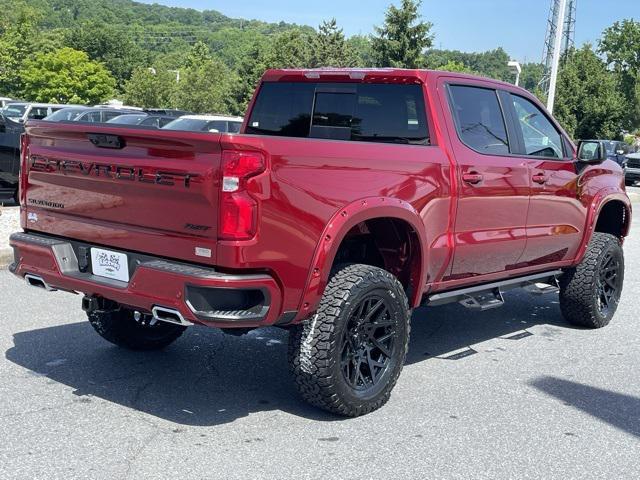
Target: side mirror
[{"x": 591, "y": 151}]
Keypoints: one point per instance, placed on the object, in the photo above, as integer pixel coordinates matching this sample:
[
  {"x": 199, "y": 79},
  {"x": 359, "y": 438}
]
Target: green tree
[
  {"x": 403, "y": 38},
  {"x": 112, "y": 46},
  {"x": 66, "y": 76},
  {"x": 17, "y": 42},
  {"x": 620, "y": 44},
  {"x": 453, "y": 66},
  {"x": 330, "y": 48},
  {"x": 151, "y": 88},
  {"x": 491, "y": 64},
  {"x": 588, "y": 103},
  {"x": 360, "y": 46},
  {"x": 206, "y": 84},
  {"x": 531, "y": 76},
  {"x": 250, "y": 69},
  {"x": 291, "y": 49}
]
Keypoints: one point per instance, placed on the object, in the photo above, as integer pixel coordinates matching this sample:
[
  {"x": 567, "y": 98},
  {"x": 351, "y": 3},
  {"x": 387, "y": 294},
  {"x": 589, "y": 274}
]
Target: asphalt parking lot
[{"x": 508, "y": 393}]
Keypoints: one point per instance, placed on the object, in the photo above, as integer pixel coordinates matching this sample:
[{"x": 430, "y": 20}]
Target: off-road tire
[
  {"x": 579, "y": 298},
  {"x": 120, "y": 328},
  {"x": 316, "y": 347}
]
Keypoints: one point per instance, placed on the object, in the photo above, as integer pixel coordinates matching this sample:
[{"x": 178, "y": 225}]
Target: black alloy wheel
[{"x": 368, "y": 343}]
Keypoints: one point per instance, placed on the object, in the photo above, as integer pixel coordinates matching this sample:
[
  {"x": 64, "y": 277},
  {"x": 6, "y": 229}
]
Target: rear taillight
[{"x": 238, "y": 208}]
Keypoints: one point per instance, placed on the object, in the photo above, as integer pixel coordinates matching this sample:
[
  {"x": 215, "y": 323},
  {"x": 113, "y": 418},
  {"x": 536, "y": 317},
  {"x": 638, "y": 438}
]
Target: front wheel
[
  {"x": 347, "y": 358},
  {"x": 590, "y": 292}
]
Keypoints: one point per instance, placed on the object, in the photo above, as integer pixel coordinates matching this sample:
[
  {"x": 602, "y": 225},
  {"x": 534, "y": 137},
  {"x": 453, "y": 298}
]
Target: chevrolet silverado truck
[{"x": 349, "y": 198}]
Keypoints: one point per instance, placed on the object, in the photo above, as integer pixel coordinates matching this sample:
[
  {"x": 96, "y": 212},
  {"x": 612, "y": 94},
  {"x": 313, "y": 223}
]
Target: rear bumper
[{"x": 202, "y": 295}]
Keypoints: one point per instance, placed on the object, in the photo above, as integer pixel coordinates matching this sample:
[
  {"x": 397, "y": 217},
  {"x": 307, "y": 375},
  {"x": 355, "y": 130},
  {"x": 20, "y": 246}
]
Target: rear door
[
  {"x": 494, "y": 186},
  {"x": 555, "y": 220}
]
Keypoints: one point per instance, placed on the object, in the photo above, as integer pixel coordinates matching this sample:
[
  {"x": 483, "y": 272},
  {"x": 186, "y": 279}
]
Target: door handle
[
  {"x": 472, "y": 177},
  {"x": 540, "y": 178}
]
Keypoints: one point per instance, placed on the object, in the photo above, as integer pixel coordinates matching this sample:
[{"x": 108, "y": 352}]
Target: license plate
[{"x": 108, "y": 264}]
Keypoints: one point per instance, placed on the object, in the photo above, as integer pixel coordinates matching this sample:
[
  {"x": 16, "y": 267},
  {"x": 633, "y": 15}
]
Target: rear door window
[
  {"x": 479, "y": 119},
  {"x": 356, "y": 112}
]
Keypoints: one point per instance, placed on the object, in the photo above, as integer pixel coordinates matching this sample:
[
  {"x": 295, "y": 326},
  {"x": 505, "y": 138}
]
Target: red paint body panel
[{"x": 311, "y": 194}]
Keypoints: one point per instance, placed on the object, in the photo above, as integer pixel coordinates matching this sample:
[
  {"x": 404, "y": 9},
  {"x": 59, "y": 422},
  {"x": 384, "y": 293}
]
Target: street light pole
[
  {"x": 556, "y": 55},
  {"x": 517, "y": 69}
]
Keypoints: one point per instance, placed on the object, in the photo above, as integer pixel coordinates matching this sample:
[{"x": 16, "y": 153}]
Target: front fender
[
  {"x": 336, "y": 230},
  {"x": 600, "y": 199}
]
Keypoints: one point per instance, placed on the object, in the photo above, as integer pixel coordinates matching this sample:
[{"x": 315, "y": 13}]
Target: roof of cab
[{"x": 382, "y": 75}]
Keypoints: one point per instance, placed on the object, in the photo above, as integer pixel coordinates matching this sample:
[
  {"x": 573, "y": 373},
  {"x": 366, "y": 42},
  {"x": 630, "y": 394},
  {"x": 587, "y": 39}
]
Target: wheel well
[
  {"x": 388, "y": 243},
  {"x": 613, "y": 219}
]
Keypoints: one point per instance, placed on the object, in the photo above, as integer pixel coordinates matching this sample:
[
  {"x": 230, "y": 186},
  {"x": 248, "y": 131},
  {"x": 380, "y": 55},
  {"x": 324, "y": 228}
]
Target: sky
[{"x": 518, "y": 26}]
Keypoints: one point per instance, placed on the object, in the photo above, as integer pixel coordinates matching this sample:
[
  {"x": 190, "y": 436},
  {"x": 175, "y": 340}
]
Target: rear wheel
[
  {"x": 347, "y": 358},
  {"x": 120, "y": 328},
  {"x": 590, "y": 292}
]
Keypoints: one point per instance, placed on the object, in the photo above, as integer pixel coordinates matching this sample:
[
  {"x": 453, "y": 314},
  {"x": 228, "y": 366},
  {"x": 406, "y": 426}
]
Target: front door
[
  {"x": 493, "y": 198},
  {"x": 555, "y": 221}
]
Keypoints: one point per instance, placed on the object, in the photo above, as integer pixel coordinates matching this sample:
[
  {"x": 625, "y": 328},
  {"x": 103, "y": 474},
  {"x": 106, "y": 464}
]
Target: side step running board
[{"x": 489, "y": 295}]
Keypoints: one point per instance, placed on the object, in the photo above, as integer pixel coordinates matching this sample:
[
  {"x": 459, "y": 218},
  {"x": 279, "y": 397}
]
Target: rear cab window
[
  {"x": 384, "y": 113},
  {"x": 479, "y": 120}
]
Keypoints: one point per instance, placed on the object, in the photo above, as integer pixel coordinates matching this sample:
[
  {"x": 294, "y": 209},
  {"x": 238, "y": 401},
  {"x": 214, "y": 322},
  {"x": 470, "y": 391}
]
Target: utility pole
[
  {"x": 565, "y": 22},
  {"x": 556, "y": 57}
]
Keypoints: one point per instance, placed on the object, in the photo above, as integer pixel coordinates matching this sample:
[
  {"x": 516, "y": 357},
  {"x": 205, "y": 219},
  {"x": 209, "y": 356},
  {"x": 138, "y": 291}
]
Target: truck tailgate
[{"x": 154, "y": 191}]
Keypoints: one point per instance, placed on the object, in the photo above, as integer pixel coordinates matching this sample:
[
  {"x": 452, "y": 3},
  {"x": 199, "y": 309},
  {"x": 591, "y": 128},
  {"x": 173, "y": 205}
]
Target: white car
[
  {"x": 206, "y": 123},
  {"x": 23, "y": 111},
  {"x": 4, "y": 101}
]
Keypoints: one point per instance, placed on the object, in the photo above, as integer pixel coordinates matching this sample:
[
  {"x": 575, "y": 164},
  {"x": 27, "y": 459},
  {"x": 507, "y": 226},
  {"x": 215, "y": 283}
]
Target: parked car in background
[
  {"x": 206, "y": 123},
  {"x": 142, "y": 119},
  {"x": 23, "y": 111},
  {"x": 10, "y": 132},
  {"x": 616, "y": 151},
  {"x": 118, "y": 106},
  {"x": 88, "y": 115},
  {"x": 167, "y": 112},
  {"x": 66, "y": 114},
  {"x": 632, "y": 172},
  {"x": 4, "y": 101}
]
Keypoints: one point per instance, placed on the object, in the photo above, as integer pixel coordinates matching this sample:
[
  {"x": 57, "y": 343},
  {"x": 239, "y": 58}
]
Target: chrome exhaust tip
[
  {"x": 169, "y": 315},
  {"x": 38, "y": 282}
]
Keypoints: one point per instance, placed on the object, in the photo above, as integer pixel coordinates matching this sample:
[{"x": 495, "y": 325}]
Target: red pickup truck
[{"x": 349, "y": 198}]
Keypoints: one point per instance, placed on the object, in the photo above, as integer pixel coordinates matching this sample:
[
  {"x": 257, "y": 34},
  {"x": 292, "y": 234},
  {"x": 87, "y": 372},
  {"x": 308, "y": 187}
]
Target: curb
[{"x": 6, "y": 257}]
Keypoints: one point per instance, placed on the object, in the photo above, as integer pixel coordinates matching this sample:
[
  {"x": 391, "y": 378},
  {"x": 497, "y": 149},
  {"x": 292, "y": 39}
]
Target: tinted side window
[
  {"x": 541, "y": 138},
  {"x": 282, "y": 108},
  {"x": 150, "y": 122},
  {"x": 90, "y": 117},
  {"x": 110, "y": 115},
  {"x": 479, "y": 119},
  {"x": 38, "y": 113},
  {"x": 357, "y": 112}
]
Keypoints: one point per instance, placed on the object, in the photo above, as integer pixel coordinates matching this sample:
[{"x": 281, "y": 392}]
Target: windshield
[
  {"x": 65, "y": 114},
  {"x": 197, "y": 125},
  {"x": 128, "y": 119},
  {"x": 14, "y": 110}
]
